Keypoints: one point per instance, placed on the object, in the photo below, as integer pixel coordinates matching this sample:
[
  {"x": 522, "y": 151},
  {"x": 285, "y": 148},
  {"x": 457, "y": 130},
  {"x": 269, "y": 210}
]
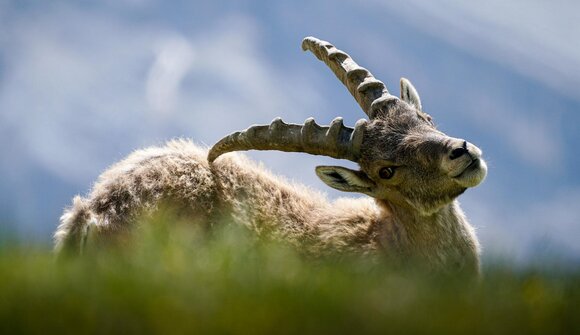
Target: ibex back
[{"x": 412, "y": 172}]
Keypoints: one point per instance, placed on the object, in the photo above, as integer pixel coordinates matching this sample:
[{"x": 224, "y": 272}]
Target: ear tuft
[{"x": 409, "y": 94}]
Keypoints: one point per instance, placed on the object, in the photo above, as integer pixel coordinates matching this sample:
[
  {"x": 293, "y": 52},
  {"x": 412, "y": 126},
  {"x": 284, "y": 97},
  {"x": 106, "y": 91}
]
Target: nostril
[{"x": 458, "y": 152}]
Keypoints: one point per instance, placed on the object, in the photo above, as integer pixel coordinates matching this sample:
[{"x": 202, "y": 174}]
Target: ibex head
[{"x": 403, "y": 158}]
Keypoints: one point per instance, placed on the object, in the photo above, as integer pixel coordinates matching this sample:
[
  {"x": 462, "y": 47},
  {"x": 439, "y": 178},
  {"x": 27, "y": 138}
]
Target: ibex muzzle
[{"x": 403, "y": 158}]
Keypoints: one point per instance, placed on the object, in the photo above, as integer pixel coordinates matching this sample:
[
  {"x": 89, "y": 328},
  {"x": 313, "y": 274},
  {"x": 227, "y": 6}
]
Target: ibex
[{"x": 412, "y": 172}]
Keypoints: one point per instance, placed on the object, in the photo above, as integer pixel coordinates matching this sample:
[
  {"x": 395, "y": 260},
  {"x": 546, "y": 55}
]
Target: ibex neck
[
  {"x": 448, "y": 215},
  {"x": 443, "y": 239}
]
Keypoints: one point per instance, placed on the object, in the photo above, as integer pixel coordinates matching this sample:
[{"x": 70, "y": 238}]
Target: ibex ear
[
  {"x": 344, "y": 179},
  {"x": 409, "y": 94}
]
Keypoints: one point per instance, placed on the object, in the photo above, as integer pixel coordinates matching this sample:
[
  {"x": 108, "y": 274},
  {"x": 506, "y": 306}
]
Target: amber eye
[{"x": 386, "y": 172}]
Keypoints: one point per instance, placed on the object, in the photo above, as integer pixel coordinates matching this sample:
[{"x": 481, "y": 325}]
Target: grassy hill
[{"x": 183, "y": 281}]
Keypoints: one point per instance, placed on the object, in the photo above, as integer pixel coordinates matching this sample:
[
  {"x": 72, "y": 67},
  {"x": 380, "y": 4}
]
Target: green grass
[{"x": 182, "y": 281}]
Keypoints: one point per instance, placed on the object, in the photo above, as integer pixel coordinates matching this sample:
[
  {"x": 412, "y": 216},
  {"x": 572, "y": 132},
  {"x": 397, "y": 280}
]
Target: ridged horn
[
  {"x": 336, "y": 140},
  {"x": 370, "y": 93}
]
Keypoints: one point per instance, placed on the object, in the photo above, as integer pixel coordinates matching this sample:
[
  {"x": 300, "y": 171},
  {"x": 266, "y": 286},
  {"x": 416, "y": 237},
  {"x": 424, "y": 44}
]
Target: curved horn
[
  {"x": 370, "y": 93},
  {"x": 336, "y": 140}
]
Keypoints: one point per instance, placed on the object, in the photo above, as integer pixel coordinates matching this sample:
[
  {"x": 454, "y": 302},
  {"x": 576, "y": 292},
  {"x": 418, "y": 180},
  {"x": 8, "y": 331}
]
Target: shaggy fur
[{"x": 236, "y": 189}]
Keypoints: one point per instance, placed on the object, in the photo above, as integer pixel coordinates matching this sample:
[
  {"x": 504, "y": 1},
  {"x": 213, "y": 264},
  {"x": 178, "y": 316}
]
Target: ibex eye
[{"x": 386, "y": 172}]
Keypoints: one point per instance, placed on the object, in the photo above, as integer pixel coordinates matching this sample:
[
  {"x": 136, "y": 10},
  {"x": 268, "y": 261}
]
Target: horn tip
[
  {"x": 311, "y": 43},
  {"x": 211, "y": 156},
  {"x": 306, "y": 41}
]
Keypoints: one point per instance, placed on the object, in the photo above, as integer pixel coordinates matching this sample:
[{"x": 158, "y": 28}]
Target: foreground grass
[{"x": 182, "y": 281}]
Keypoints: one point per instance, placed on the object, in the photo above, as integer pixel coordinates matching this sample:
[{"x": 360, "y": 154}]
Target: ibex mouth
[
  {"x": 474, "y": 164},
  {"x": 472, "y": 174}
]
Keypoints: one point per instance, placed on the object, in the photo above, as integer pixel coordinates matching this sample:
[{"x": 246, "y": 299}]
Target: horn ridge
[
  {"x": 362, "y": 85},
  {"x": 336, "y": 140}
]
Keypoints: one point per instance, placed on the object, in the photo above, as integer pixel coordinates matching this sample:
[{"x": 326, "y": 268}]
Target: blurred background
[{"x": 82, "y": 84}]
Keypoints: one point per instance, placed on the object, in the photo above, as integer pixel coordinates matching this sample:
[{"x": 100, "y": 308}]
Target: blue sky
[{"x": 82, "y": 84}]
